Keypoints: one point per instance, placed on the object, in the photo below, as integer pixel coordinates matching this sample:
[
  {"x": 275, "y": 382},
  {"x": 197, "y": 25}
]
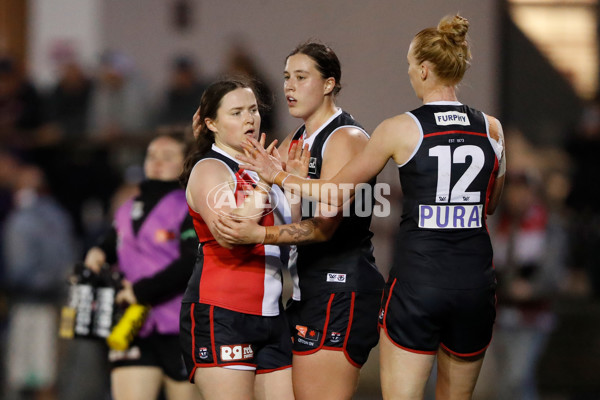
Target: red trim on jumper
[
  {"x": 475, "y": 353},
  {"x": 453, "y": 132},
  {"x": 429, "y": 353},
  {"x": 191, "y": 377},
  {"x": 292, "y": 143},
  {"x": 266, "y": 371}
]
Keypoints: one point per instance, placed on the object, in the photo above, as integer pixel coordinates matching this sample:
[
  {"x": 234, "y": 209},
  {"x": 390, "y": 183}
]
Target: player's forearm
[{"x": 304, "y": 232}]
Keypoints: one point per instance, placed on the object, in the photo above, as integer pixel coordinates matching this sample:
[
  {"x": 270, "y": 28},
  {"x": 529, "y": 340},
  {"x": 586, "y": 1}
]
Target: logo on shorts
[
  {"x": 236, "y": 352},
  {"x": 308, "y": 334},
  {"x": 340, "y": 278},
  {"x": 381, "y": 313},
  {"x": 301, "y": 330},
  {"x": 335, "y": 337},
  {"x": 203, "y": 353}
]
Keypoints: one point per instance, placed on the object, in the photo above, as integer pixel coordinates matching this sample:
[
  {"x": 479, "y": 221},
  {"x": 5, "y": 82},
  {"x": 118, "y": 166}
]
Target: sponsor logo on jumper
[
  {"x": 335, "y": 337},
  {"x": 312, "y": 165},
  {"x": 203, "y": 353},
  {"x": 236, "y": 352},
  {"x": 340, "y": 278},
  {"x": 450, "y": 217},
  {"x": 451, "y": 118}
]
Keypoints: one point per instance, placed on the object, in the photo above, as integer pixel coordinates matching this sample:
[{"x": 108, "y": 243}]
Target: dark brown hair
[
  {"x": 209, "y": 106},
  {"x": 327, "y": 61}
]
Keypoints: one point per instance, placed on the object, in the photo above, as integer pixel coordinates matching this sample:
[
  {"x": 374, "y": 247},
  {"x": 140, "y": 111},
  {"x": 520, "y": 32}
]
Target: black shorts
[
  {"x": 345, "y": 321},
  {"x": 156, "y": 350},
  {"x": 212, "y": 336},
  {"x": 420, "y": 318}
]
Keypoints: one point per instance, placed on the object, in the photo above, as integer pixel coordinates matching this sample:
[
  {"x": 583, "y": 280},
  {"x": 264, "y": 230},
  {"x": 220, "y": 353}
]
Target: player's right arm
[{"x": 497, "y": 134}]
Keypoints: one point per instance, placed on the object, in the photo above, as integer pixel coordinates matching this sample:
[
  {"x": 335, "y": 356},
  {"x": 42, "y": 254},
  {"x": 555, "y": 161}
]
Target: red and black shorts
[
  {"x": 345, "y": 321},
  {"x": 421, "y": 318},
  {"x": 156, "y": 350},
  {"x": 212, "y": 336}
]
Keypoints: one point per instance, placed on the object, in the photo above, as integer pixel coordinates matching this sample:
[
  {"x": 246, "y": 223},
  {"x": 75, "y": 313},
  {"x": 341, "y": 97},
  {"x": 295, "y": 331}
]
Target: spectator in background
[
  {"x": 7, "y": 168},
  {"x": 530, "y": 252},
  {"x": 240, "y": 63},
  {"x": 69, "y": 101},
  {"x": 183, "y": 93},
  {"x": 38, "y": 252},
  {"x": 584, "y": 147},
  {"x": 118, "y": 105},
  {"x": 20, "y": 106}
]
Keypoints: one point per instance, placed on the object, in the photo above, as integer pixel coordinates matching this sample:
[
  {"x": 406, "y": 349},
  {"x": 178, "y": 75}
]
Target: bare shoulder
[
  {"x": 348, "y": 135},
  {"x": 400, "y": 135},
  {"x": 343, "y": 145},
  {"x": 398, "y": 125},
  {"x": 205, "y": 176},
  {"x": 208, "y": 171},
  {"x": 496, "y": 132}
]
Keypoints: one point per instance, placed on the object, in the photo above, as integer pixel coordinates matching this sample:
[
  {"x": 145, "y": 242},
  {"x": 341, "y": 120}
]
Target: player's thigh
[
  {"x": 457, "y": 376},
  {"x": 275, "y": 385},
  {"x": 403, "y": 373},
  {"x": 326, "y": 374},
  {"x": 180, "y": 390},
  {"x": 216, "y": 383},
  {"x": 136, "y": 382}
]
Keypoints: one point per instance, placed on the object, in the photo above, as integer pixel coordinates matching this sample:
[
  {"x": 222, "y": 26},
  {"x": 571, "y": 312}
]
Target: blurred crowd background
[{"x": 84, "y": 86}]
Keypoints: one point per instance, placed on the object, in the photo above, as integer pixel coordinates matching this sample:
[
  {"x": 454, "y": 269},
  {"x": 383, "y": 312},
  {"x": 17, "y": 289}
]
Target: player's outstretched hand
[
  {"x": 298, "y": 159},
  {"x": 257, "y": 159}
]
